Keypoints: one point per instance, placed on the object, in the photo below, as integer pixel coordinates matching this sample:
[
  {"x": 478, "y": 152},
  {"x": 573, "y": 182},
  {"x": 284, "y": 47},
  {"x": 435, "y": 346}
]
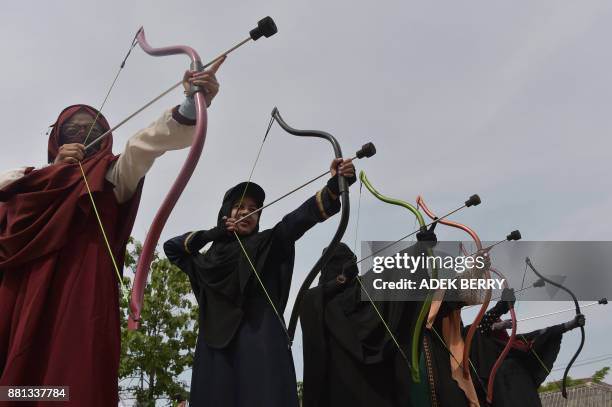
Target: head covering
[
  {"x": 223, "y": 281},
  {"x": 234, "y": 194},
  {"x": 342, "y": 262},
  {"x": 46, "y": 199},
  {"x": 106, "y": 145}
]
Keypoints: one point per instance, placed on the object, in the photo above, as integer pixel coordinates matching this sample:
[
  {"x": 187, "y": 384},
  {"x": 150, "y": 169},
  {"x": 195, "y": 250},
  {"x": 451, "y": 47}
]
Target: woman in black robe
[
  {"x": 350, "y": 359},
  {"x": 528, "y": 363},
  {"x": 243, "y": 356}
]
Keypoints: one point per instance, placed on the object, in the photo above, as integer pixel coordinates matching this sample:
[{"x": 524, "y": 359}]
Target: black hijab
[{"x": 224, "y": 283}]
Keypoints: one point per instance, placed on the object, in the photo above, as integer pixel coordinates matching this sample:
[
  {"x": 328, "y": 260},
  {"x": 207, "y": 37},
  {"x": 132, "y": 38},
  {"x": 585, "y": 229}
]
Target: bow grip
[{"x": 196, "y": 66}]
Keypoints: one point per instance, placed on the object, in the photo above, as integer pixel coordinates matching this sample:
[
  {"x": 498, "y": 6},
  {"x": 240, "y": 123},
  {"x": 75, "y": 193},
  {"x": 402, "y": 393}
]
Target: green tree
[
  {"x": 556, "y": 385},
  {"x": 599, "y": 375},
  {"x": 154, "y": 356}
]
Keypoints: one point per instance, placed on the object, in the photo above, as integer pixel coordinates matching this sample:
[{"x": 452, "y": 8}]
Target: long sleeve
[
  {"x": 316, "y": 209},
  {"x": 175, "y": 250},
  {"x": 171, "y": 131},
  {"x": 492, "y": 316},
  {"x": 178, "y": 253}
]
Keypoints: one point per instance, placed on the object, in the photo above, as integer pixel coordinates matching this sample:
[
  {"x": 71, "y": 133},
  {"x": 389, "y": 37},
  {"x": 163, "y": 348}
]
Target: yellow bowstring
[
  {"x": 263, "y": 287},
  {"x": 110, "y": 252}
]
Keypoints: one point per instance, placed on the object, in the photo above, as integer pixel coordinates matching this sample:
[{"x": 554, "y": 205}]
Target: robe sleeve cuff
[
  {"x": 327, "y": 203},
  {"x": 179, "y": 118},
  {"x": 186, "y": 242}
]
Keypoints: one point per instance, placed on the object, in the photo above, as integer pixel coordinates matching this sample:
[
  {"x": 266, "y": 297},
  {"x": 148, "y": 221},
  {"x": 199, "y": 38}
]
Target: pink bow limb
[{"x": 150, "y": 243}]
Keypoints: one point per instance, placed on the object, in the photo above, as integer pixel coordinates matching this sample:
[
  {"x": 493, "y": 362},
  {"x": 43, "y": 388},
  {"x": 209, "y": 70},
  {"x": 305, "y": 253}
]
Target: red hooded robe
[{"x": 59, "y": 307}]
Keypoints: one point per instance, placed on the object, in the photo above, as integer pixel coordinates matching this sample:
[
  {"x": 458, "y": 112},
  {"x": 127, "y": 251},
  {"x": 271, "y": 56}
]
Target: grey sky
[{"x": 506, "y": 100}]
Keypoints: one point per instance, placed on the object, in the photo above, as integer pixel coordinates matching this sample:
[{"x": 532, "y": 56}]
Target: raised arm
[
  {"x": 316, "y": 209},
  {"x": 172, "y": 131}
]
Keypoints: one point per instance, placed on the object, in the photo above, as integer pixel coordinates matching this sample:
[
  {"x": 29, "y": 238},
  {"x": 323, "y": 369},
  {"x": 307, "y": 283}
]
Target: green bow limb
[{"x": 416, "y": 335}]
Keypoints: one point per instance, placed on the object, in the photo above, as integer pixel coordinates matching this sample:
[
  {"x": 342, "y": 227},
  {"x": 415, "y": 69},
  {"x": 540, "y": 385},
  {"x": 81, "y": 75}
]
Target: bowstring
[
  {"x": 533, "y": 351},
  {"x": 104, "y": 235},
  {"x": 358, "y": 216},
  {"x": 124, "y": 290},
  {"x": 460, "y": 364},
  {"x": 522, "y": 285},
  {"x": 263, "y": 287},
  {"x": 134, "y": 42},
  {"x": 244, "y": 251},
  {"x": 371, "y": 301},
  {"x": 265, "y": 137},
  {"x": 382, "y": 319}
]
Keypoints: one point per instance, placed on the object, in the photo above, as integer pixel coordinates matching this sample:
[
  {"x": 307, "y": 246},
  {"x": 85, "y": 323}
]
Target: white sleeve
[
  {"x": 8, "y": 177},
  {"x": 142, "y": 149}
]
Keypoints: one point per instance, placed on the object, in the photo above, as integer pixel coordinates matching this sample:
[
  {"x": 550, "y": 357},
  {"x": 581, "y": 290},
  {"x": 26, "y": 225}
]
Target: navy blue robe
[{"x": 242, "y": 354}]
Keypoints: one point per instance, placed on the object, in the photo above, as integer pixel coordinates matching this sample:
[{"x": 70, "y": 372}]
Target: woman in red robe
[{"x": 59, "y": 296}]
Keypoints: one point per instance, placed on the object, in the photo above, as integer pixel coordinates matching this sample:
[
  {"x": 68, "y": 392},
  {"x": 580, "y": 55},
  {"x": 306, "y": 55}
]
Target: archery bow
[
  {"x": 414, "y": 348},
  {"x": 483, "y": 308},
  {"x": 509, "y": 343},
  {"x": 344, "y": 217},
  {"x": 367, "y": 150},
  {"x": 148, "y": 248},
  {"x": 578, "y": 312},
  {"x": 266, "y": 27},
  {"x": 515, "y": 235}
]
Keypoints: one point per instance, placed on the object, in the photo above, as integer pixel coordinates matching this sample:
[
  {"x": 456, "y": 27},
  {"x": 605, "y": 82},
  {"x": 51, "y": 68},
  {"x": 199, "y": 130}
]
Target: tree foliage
[
  {"x": 154, "y": 356},
  {"x": 597, "y": 377}
]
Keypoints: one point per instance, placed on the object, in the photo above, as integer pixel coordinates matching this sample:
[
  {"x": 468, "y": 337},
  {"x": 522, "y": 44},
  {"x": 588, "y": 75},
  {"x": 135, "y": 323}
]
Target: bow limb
[
  {"x": 578, "y": 312},
  {"x": 393, "y": 201},
  {"x": 345, "y": 213},
  {"x": 148, "y": 248},
  {"x": 487, "y": 299},
  {"x": 414, "y": 348},
  {"x": 506, "y": 350}
]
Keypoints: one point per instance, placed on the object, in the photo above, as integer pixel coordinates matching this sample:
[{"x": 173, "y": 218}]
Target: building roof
[{"x": 589, "y": 394}]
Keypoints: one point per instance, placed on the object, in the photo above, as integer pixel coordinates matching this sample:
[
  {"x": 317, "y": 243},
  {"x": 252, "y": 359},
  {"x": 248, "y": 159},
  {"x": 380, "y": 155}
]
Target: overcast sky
[{"x": 509, "y": 101}]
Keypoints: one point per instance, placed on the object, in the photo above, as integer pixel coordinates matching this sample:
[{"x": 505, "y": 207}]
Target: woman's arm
[
  {"x": 173, "y": 131},
  {"x": 318, "y": 208},
  {"x": 170, "y": 132},
  {"x": 176, "y": 250},
  {"x": 181, "y": 249}
]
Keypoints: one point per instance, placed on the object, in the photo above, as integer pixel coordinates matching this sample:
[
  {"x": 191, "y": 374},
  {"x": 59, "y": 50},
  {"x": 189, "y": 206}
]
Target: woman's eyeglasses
[{"x": 71, "y": 130}]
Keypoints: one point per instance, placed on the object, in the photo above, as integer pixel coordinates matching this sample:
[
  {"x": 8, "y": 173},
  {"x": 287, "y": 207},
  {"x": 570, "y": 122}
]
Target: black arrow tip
[
  {"x": 367, "y": 150},
  {"x": 265, "y": 27},
  {"x": 473, "y": 201},
  {"x": 514, "y": 235}
]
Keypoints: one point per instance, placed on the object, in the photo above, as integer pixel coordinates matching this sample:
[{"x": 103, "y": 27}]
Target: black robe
[
  {"x": 242, "y": 354},
  {"x": 349, "y": 357},
  {"x": 521, "y": 373}
]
